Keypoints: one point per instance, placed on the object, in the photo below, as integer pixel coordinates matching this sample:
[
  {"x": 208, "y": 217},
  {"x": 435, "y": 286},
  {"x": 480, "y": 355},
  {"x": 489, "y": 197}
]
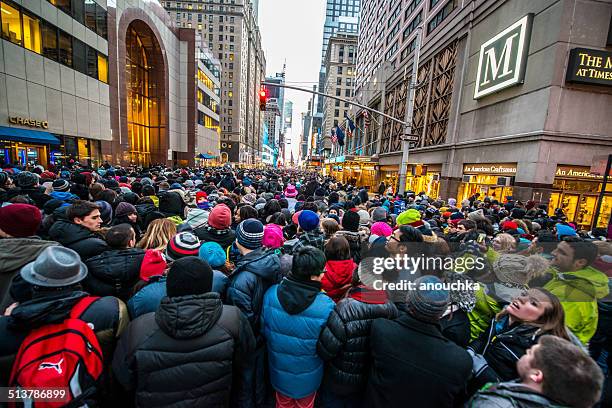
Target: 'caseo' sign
[
  {"x": 589, "y": 67},
  {"x": 16, "y": 120},
  {"x": 502, "y": 59}
]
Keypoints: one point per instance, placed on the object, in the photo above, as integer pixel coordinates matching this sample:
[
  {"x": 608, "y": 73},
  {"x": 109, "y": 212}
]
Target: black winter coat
[
  {"x": 114, "y": 273},
  {"x": 345, "y": 343},
  {"x": 86, "y": 243},
  {"x": 502, "y": 350},
  {"x": 413, "y": 364},
  {"x": 187, "y": 354},
  {"x": 254, "y": 274},
  {"x": 456, "y": 327},
  {"x": 37, "y": 194}
]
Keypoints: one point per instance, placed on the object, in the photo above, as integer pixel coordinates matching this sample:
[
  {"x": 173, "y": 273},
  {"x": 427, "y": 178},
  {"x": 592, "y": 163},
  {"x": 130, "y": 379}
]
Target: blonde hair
[
  {"x": 158, "y": 234},
  {"x": 506, "y": 241}
]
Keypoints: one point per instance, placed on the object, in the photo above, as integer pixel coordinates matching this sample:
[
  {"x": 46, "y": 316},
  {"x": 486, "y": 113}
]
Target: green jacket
[
  {"x": 485, "y": 309},
  {"x": 578, "y": 292}
]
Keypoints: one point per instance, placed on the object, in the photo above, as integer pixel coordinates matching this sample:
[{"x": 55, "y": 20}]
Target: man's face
[
  {"x": 563, "y": 258},
  {"x": 393, "y": 245},
  {"x": 524, "y": 366},
  {"x": 461, "y": 229},
  {"x": 92, "y": 222}
]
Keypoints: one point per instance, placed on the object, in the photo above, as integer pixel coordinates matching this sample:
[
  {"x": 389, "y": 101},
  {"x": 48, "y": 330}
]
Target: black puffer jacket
[
  {"x": 502, "y": 348},
  {"x": 184, "y": 355},
  {"x": 345, "y": 341},
  {"x": 37, "y": 194},
  {"x": 254, "y": 274},
  {"x": 86, "y": 243},
  {"x": 114, "y": 273}
]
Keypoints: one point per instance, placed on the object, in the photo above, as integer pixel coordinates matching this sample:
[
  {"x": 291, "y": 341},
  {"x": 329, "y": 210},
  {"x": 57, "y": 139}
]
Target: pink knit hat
[
  {"x": 381, "y": 229},
  {"x": 273, "y": 236}
]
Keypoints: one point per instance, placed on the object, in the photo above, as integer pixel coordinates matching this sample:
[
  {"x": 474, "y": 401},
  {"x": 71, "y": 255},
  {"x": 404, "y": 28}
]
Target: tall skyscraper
[
  {"x": 231, "y": 32},
  {"x": 341, "y": 15}
]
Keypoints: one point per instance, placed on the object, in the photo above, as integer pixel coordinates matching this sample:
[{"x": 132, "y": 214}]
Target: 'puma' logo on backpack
[{"x": 57, "y": 366}]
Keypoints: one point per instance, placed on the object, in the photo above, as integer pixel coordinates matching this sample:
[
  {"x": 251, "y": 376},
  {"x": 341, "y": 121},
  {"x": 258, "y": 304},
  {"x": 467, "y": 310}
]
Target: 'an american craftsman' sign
[
  {"x": 502, "y": 59},
  {"x": 590, "y": 67}
]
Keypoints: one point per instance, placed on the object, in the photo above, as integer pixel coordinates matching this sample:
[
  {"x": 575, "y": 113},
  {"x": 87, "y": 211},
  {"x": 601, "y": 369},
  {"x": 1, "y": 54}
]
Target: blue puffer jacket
[
  {"x": 147, "y": 299},
  {"x": 294, "y": 313},
  {"x": 63, "y": 196},
  {"x": 255, "y": 272}
]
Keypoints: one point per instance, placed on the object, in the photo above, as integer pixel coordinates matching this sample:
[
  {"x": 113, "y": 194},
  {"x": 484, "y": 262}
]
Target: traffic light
[{"x": 263, "y": 99}]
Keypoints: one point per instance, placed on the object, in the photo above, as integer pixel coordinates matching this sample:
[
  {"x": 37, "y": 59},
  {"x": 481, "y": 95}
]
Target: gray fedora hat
[{"x": 55, "y": 267}]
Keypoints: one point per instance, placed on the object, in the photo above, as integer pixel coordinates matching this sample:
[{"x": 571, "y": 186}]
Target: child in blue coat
[{"x": 294, "y": 313}]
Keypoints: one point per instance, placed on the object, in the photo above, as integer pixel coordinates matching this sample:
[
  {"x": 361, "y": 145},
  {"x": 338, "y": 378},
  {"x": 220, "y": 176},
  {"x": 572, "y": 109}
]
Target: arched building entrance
[{"x": 147, "y": 139}]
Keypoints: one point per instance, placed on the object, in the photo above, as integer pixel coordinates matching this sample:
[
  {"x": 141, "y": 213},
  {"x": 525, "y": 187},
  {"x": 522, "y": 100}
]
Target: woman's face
[
  {"x": 497, "y": 244},
  {"x": 529, "y": 306},
  {"x": 133, "y": 217},
  {"x": 333, "y": 212}
]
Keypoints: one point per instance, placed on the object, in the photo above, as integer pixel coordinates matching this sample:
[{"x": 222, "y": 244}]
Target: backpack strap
[{"x": 81, "y": 306}]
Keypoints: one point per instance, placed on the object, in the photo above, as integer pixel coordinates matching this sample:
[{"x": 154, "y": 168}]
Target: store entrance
[
  {"x": 579, "y": 208},
  {"x": 29, "y": 155}
]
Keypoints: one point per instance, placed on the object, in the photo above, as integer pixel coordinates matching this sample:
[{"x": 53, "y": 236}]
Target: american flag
[
  {"x": 366, "y": 118},
  {"x": 334, "y": 138}
]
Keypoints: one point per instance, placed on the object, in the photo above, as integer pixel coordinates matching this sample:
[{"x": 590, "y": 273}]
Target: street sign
[{"x": 410, "y": 138}]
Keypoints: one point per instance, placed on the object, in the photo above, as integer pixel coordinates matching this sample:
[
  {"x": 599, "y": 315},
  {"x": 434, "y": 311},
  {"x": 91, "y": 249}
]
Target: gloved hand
[{"x": 479, "y": 364}]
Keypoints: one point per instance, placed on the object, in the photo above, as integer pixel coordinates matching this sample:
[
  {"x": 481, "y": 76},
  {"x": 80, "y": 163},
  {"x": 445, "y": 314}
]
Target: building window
[
  {"x": 31, "y": 34},
  {"x": 411, "y": 7},
  {"x": 338, "y": 81},
  {"x": 413, "y": 25},
  {"x": 337, "y": 103},
  {"x": 11, "y": 24},
  {"x": 79, "y": 56},
  {"x": 49, "y": 38},
  {"x": 63, "y": 5},
  {"x": 77, "y": 10},
  {"x": 338, "y": 91},
  {"x": 433, "y": 3},
  {"x": 441, "y": 16},
  {"x": 102, "y": 68},
  {"x": 92, "y": 62},
  {"x": 90, "y": 14},
  {"x": 339, "y": 70},
  {"x": 336, "y": 113},
  {"x": 65, "y": 48}
]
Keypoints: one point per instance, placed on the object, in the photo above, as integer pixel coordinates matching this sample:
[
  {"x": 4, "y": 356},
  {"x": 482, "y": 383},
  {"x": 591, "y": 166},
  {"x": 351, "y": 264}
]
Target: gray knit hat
[
  {"x": 379, "y": 214},
  {"x": 519, "y": 269},
  {"x": 428, "y": 300}
]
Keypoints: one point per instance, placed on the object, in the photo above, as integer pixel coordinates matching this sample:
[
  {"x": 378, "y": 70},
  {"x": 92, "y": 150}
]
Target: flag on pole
[
  {"x": 350, "y": 125},
  {"x": 334, "y": 138},
  {"x": 367, "y": 120},
  {"x": 340, "y": 136}
]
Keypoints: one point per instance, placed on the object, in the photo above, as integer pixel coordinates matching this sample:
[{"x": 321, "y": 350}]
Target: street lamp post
[{"x": 408, "y": 137}]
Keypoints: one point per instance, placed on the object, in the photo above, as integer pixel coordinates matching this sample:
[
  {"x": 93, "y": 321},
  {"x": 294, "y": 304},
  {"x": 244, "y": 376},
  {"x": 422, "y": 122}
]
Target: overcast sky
[{"x": 292, "y": 30}]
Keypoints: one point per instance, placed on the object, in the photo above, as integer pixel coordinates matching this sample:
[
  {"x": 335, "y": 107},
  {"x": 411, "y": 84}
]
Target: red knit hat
[
  {"x": 220, "y": 217},
  {"x": 153, "y": 264},
  {"x": 20, "y": 220},
  {"x": 509, "y": 225}
]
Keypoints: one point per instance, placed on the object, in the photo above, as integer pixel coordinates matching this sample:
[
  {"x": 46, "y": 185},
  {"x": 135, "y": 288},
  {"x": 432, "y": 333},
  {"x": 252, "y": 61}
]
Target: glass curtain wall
[{"x": 142, "y": 101}]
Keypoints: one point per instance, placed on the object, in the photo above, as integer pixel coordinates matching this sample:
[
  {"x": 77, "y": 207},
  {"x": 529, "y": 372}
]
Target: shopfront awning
[
  {"x": 205, "y": 156},
  {"x": 27, "y": 135}
]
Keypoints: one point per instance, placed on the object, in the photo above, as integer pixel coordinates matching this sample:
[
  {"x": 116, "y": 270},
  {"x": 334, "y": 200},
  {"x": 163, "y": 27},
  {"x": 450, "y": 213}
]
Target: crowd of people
[{"x": 193, "y": 287}]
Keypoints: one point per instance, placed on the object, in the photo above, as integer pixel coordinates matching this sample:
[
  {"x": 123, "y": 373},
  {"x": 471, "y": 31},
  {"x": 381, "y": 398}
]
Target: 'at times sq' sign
[{"x": 503, "y": 58}]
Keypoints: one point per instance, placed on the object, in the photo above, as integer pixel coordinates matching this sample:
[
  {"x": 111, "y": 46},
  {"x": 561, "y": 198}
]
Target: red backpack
[{"x": 63, "y": 355}]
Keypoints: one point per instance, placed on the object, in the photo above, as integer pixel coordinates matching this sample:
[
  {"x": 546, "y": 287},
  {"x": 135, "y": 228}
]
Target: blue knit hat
[
  {"x": 308, "y": 220},
  {"x": 564, "y": 231},
  {"x": 212, "y": 253},
  {"x": 425, "y": 302},
  {"x": 249, "y": 233}
]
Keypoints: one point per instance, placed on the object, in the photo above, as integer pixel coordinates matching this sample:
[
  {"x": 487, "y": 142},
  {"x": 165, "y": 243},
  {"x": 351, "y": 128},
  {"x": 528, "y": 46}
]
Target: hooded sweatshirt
[
  {"x": 337, "y": 278},
  {"x": 578, "y": 292}
]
